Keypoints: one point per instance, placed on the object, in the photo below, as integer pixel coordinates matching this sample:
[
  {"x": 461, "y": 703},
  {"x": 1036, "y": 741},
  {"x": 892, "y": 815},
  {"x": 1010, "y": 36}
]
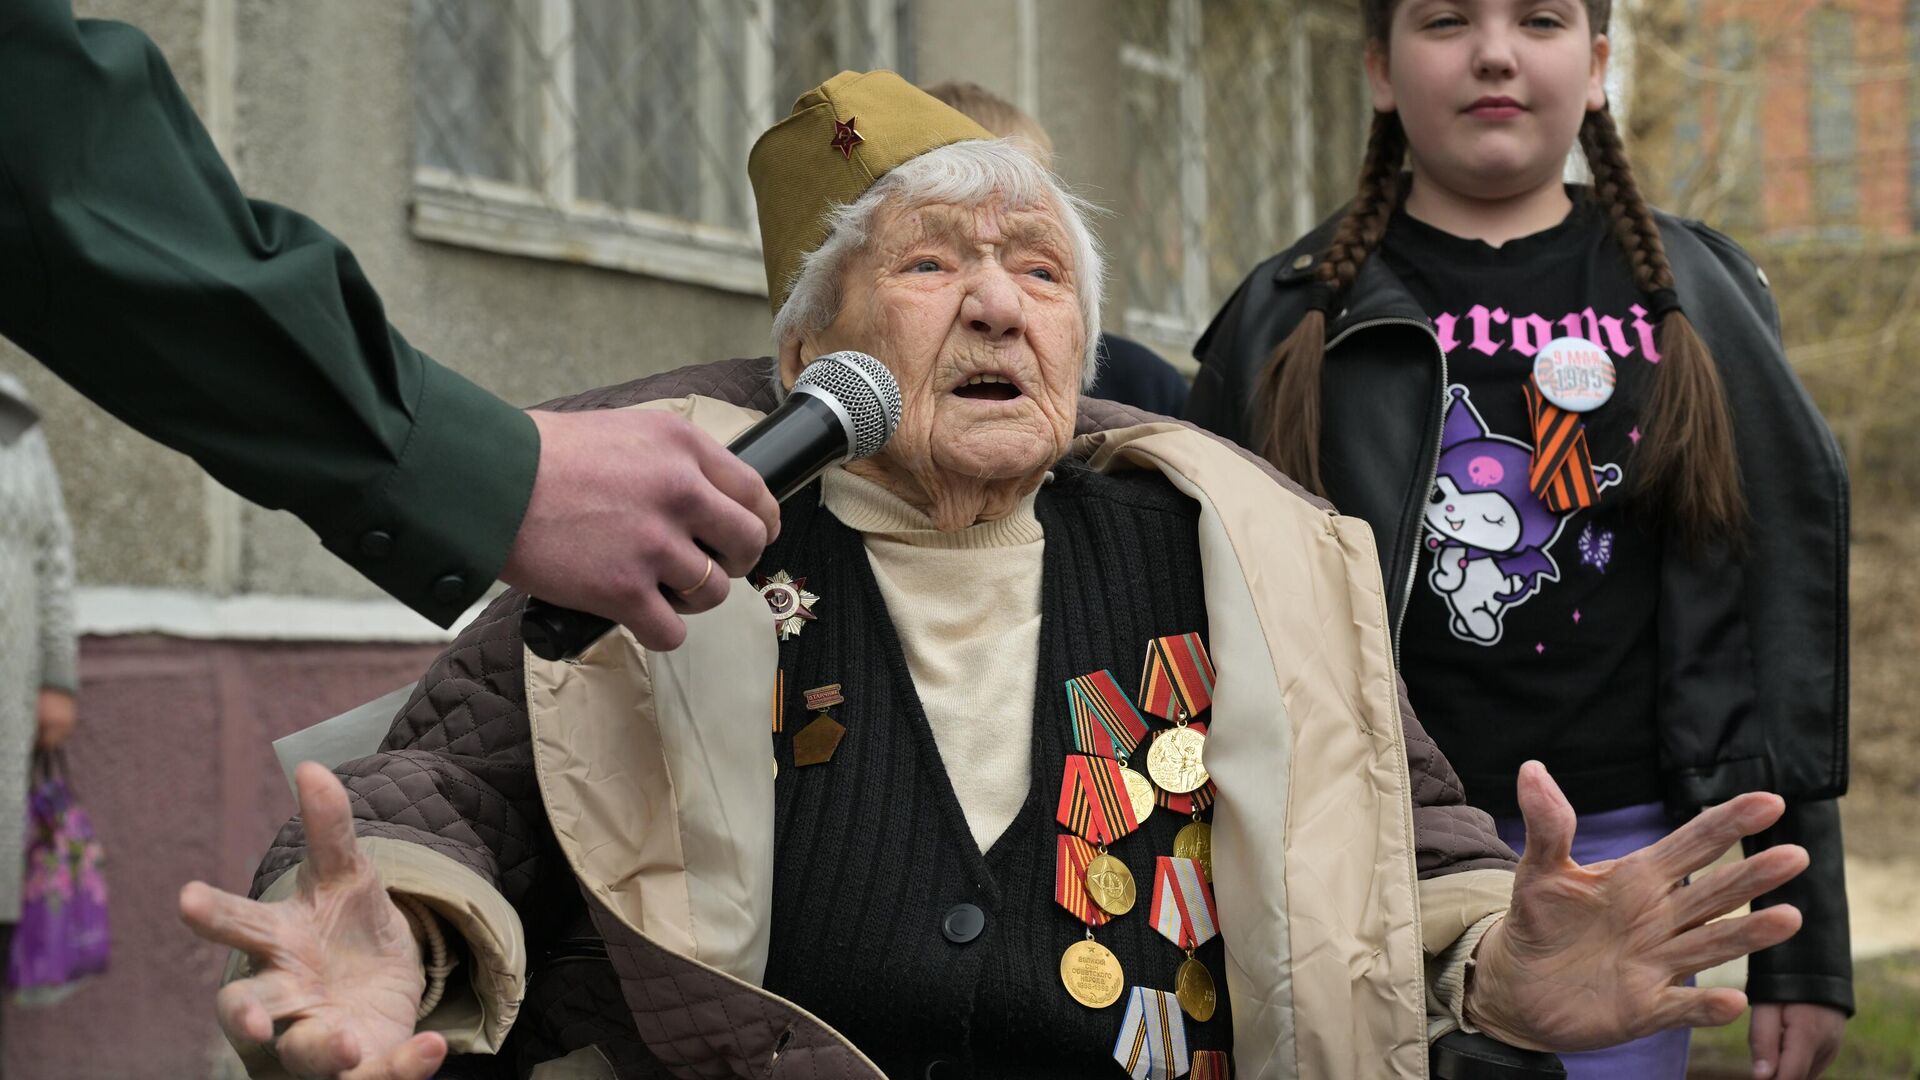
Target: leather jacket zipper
[{"x": 1433, "y": 460}]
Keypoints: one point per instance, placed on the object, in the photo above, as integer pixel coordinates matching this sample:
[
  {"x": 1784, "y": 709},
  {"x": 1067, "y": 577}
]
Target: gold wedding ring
[{"x": 703, "y": 578}]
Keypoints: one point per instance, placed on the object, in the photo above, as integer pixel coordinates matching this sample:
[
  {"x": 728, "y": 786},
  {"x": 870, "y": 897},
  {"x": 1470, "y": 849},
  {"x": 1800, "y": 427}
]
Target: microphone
[{"x": 843, "y": 406}]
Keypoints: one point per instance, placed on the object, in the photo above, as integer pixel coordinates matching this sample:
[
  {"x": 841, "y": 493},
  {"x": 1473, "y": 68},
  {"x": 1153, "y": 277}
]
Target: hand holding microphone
[{"x": 710, "y": 517}]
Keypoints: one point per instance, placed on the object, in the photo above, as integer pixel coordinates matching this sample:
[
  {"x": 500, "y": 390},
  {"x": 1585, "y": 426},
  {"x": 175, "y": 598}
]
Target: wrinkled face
[
  {"x": 1491, "y": 93},
  {"x": 975, "y": 310},
  {"x": 1480, "y": 519}
]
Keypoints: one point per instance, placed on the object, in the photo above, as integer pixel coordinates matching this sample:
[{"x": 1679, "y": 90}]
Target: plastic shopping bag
[{"x": 62, "y": 935}]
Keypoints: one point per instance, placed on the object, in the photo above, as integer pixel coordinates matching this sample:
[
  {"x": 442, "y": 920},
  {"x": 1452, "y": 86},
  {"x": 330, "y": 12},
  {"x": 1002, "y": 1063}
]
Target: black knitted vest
[{"x": 872, "y": 850}]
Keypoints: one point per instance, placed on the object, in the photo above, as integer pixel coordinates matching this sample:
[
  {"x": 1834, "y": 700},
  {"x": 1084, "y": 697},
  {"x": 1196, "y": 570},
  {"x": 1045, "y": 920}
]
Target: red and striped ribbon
[
  {"x": 1210, "y": 1065},
  {"x": 1183, "y": 908},
  {"x": 1178, "y": 673},
  {"x": 1190, "y": 802},
  {"x": 1152, "y": 1044},
  {"x": 779, "y": 702},
  {"x": 1105, "y": 723},
  {"x": 1562, "y": 471},
  {"x": 1094, "y": 801},
  {"x": 1070, "y": 881}
]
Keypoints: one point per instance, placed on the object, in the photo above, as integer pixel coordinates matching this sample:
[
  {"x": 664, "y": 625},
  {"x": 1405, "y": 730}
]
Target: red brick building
[{"x": 1804, "y": 119}]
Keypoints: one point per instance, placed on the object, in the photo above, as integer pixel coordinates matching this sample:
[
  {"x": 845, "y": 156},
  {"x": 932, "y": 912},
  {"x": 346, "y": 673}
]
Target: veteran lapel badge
[
  {"x": 790, "y": 602},
  {"x": 815, "y": 743}
]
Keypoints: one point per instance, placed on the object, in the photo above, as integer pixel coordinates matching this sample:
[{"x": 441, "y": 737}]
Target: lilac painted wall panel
[{"x": 173, "y": 760}]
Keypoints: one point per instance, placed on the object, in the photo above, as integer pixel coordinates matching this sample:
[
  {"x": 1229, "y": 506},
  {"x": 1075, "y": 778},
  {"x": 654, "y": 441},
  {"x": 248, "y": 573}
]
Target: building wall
[
  {"x": 1881, "y": 118},
  {"x": 172, "y": 760}
]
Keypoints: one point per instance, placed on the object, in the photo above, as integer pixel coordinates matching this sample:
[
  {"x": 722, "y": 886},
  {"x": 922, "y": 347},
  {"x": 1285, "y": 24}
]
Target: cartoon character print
[{"x": 1490, "y": 534}]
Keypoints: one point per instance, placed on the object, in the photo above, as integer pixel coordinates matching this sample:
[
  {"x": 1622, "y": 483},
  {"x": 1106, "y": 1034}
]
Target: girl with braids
[{"x": 1611, "y": 524}]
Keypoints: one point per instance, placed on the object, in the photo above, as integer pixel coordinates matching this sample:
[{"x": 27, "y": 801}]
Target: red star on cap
[{"x": 845, "y": 138}]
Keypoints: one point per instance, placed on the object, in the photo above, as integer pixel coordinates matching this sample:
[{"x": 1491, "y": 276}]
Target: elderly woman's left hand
[{"x": 1591, "y": 956}]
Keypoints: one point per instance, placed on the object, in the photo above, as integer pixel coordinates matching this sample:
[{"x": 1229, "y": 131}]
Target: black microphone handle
[{"x": 788, "y": 448}]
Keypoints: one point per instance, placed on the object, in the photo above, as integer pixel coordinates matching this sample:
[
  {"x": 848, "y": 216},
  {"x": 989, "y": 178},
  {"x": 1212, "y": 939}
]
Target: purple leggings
[{"x": 1599, "y": 837}]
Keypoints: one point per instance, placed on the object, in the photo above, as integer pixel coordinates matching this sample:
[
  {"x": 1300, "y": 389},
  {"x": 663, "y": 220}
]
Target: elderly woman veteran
[{"x": 611, "y": 867}]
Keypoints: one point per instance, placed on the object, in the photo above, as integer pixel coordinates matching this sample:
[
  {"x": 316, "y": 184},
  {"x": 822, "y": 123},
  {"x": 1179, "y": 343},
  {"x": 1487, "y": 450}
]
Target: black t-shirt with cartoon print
[{"x": 1531, "y": 631}]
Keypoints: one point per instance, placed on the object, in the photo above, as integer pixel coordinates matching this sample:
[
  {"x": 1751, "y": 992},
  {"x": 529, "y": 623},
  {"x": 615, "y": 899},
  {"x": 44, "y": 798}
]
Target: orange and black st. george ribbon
[
  {"x": 1094, "y": 801},
  {"x": 1562, "y": 471}
]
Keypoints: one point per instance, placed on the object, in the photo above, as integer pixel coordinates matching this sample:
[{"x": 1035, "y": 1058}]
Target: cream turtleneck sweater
[{"x": 966, "y": 607}]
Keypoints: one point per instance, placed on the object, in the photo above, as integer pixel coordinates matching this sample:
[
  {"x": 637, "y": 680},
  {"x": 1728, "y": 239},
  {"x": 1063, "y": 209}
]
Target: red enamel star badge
[
  {"x": 791, "y": 603},
  {"x": 845, "y": 138}
]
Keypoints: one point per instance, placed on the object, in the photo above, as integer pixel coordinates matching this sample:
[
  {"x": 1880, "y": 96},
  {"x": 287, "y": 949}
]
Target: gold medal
[
  {"x": 1092, "y": 974},
  {"x": 1194, "y": 987},
  {"x": 1174, "y": 760},
  {"x": 1139, "y": 793},
  {"x": 1195, "y": 841},
  {"x": 1111, "y": 885}
]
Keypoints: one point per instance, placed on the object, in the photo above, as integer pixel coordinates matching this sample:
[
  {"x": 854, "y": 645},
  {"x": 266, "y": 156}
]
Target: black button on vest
[{"x": 963, "y": 923}]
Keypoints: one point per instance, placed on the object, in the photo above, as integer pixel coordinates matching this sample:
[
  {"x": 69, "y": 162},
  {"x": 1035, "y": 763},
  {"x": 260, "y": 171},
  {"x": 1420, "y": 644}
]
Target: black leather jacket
[{"x": 1753, "y": 651}]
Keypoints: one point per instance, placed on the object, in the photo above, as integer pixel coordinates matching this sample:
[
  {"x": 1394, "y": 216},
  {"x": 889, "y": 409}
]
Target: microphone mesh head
[{"x": 865, "y": 389}]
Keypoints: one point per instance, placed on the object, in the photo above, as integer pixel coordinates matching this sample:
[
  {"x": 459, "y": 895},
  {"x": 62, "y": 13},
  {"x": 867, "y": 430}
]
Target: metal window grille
[
  {"x": 1836, "y": 185},
  {"x": 1246, "y": 121},
  {"x": 1912, "y": 95},
  {"x": 616, "y": 132},
  {"x": 1736, "y": 101}
]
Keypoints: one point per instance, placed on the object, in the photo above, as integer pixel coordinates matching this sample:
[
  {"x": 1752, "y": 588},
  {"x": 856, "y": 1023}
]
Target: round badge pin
[{"x": 1574, "y": 373}]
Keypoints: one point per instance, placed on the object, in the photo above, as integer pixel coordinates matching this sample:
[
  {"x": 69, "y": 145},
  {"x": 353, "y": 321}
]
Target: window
[
  {"x": 1913, "y": 116},
  {"x": 1247, "y": 119},
  {"x": 616, "y": 132},
  {"x": 1830, "y": 100},
  {"x": 1736, "y": 94}
]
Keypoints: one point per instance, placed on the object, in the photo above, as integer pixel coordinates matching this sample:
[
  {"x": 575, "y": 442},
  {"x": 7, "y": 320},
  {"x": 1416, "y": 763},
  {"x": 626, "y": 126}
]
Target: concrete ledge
[{"x": 112, "y": 611}]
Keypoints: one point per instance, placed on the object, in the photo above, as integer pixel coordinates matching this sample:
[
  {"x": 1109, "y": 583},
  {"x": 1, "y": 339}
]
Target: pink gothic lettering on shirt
[{"x": 1490, "y": 330}]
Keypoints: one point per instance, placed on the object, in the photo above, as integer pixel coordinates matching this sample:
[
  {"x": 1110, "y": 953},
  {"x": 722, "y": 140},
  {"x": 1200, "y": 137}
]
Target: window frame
[
  {"x": 1176, "y": 61},
  {"x": 553, "y": 222}
]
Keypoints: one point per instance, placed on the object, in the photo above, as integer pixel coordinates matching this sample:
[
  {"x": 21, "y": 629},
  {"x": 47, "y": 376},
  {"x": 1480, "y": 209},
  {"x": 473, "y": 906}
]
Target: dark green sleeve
[{"x": 235, "y": 331}]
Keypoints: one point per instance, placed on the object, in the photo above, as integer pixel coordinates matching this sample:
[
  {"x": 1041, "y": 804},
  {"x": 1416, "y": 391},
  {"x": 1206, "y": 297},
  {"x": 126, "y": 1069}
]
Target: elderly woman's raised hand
[
  {"x": 1591, "y": 956},
  {"x": 337, "y": 975}
]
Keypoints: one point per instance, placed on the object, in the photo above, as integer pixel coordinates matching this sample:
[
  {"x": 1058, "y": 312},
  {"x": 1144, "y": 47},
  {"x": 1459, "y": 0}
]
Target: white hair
[{"x": 971, "y": 173}]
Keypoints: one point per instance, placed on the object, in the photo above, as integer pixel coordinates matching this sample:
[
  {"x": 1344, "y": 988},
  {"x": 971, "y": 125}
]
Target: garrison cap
[{"x": 841, "y": 137}]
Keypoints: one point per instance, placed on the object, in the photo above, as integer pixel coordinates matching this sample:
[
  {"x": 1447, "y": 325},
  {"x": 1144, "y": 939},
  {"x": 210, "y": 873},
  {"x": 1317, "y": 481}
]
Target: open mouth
[
  {"x": 988, "y": 387},
  {"x": 1452, "y": 525}
]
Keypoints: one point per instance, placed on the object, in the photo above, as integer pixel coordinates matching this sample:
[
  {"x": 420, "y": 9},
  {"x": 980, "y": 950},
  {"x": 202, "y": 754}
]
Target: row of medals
[{"x": 1089, "y": 970}]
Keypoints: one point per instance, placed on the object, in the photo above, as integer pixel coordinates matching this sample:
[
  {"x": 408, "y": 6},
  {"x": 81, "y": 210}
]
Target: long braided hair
[{"x": 1685, "y": 463}]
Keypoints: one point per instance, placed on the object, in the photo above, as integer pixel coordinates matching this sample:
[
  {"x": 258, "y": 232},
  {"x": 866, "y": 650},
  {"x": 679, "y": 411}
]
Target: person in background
[
  {"x": 1129, "y": 372},
  {"x": 39, "y": 667},
  {"x": 1613, "y": 524}
]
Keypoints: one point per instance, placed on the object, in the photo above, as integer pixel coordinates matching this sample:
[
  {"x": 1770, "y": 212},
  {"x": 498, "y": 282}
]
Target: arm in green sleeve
[{"x": 235, "y": 331}]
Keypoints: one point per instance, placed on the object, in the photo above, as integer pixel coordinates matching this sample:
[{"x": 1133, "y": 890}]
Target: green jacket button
[
  {"x": 449, "y": 589},
  {"x": 376, "y": 544}
]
